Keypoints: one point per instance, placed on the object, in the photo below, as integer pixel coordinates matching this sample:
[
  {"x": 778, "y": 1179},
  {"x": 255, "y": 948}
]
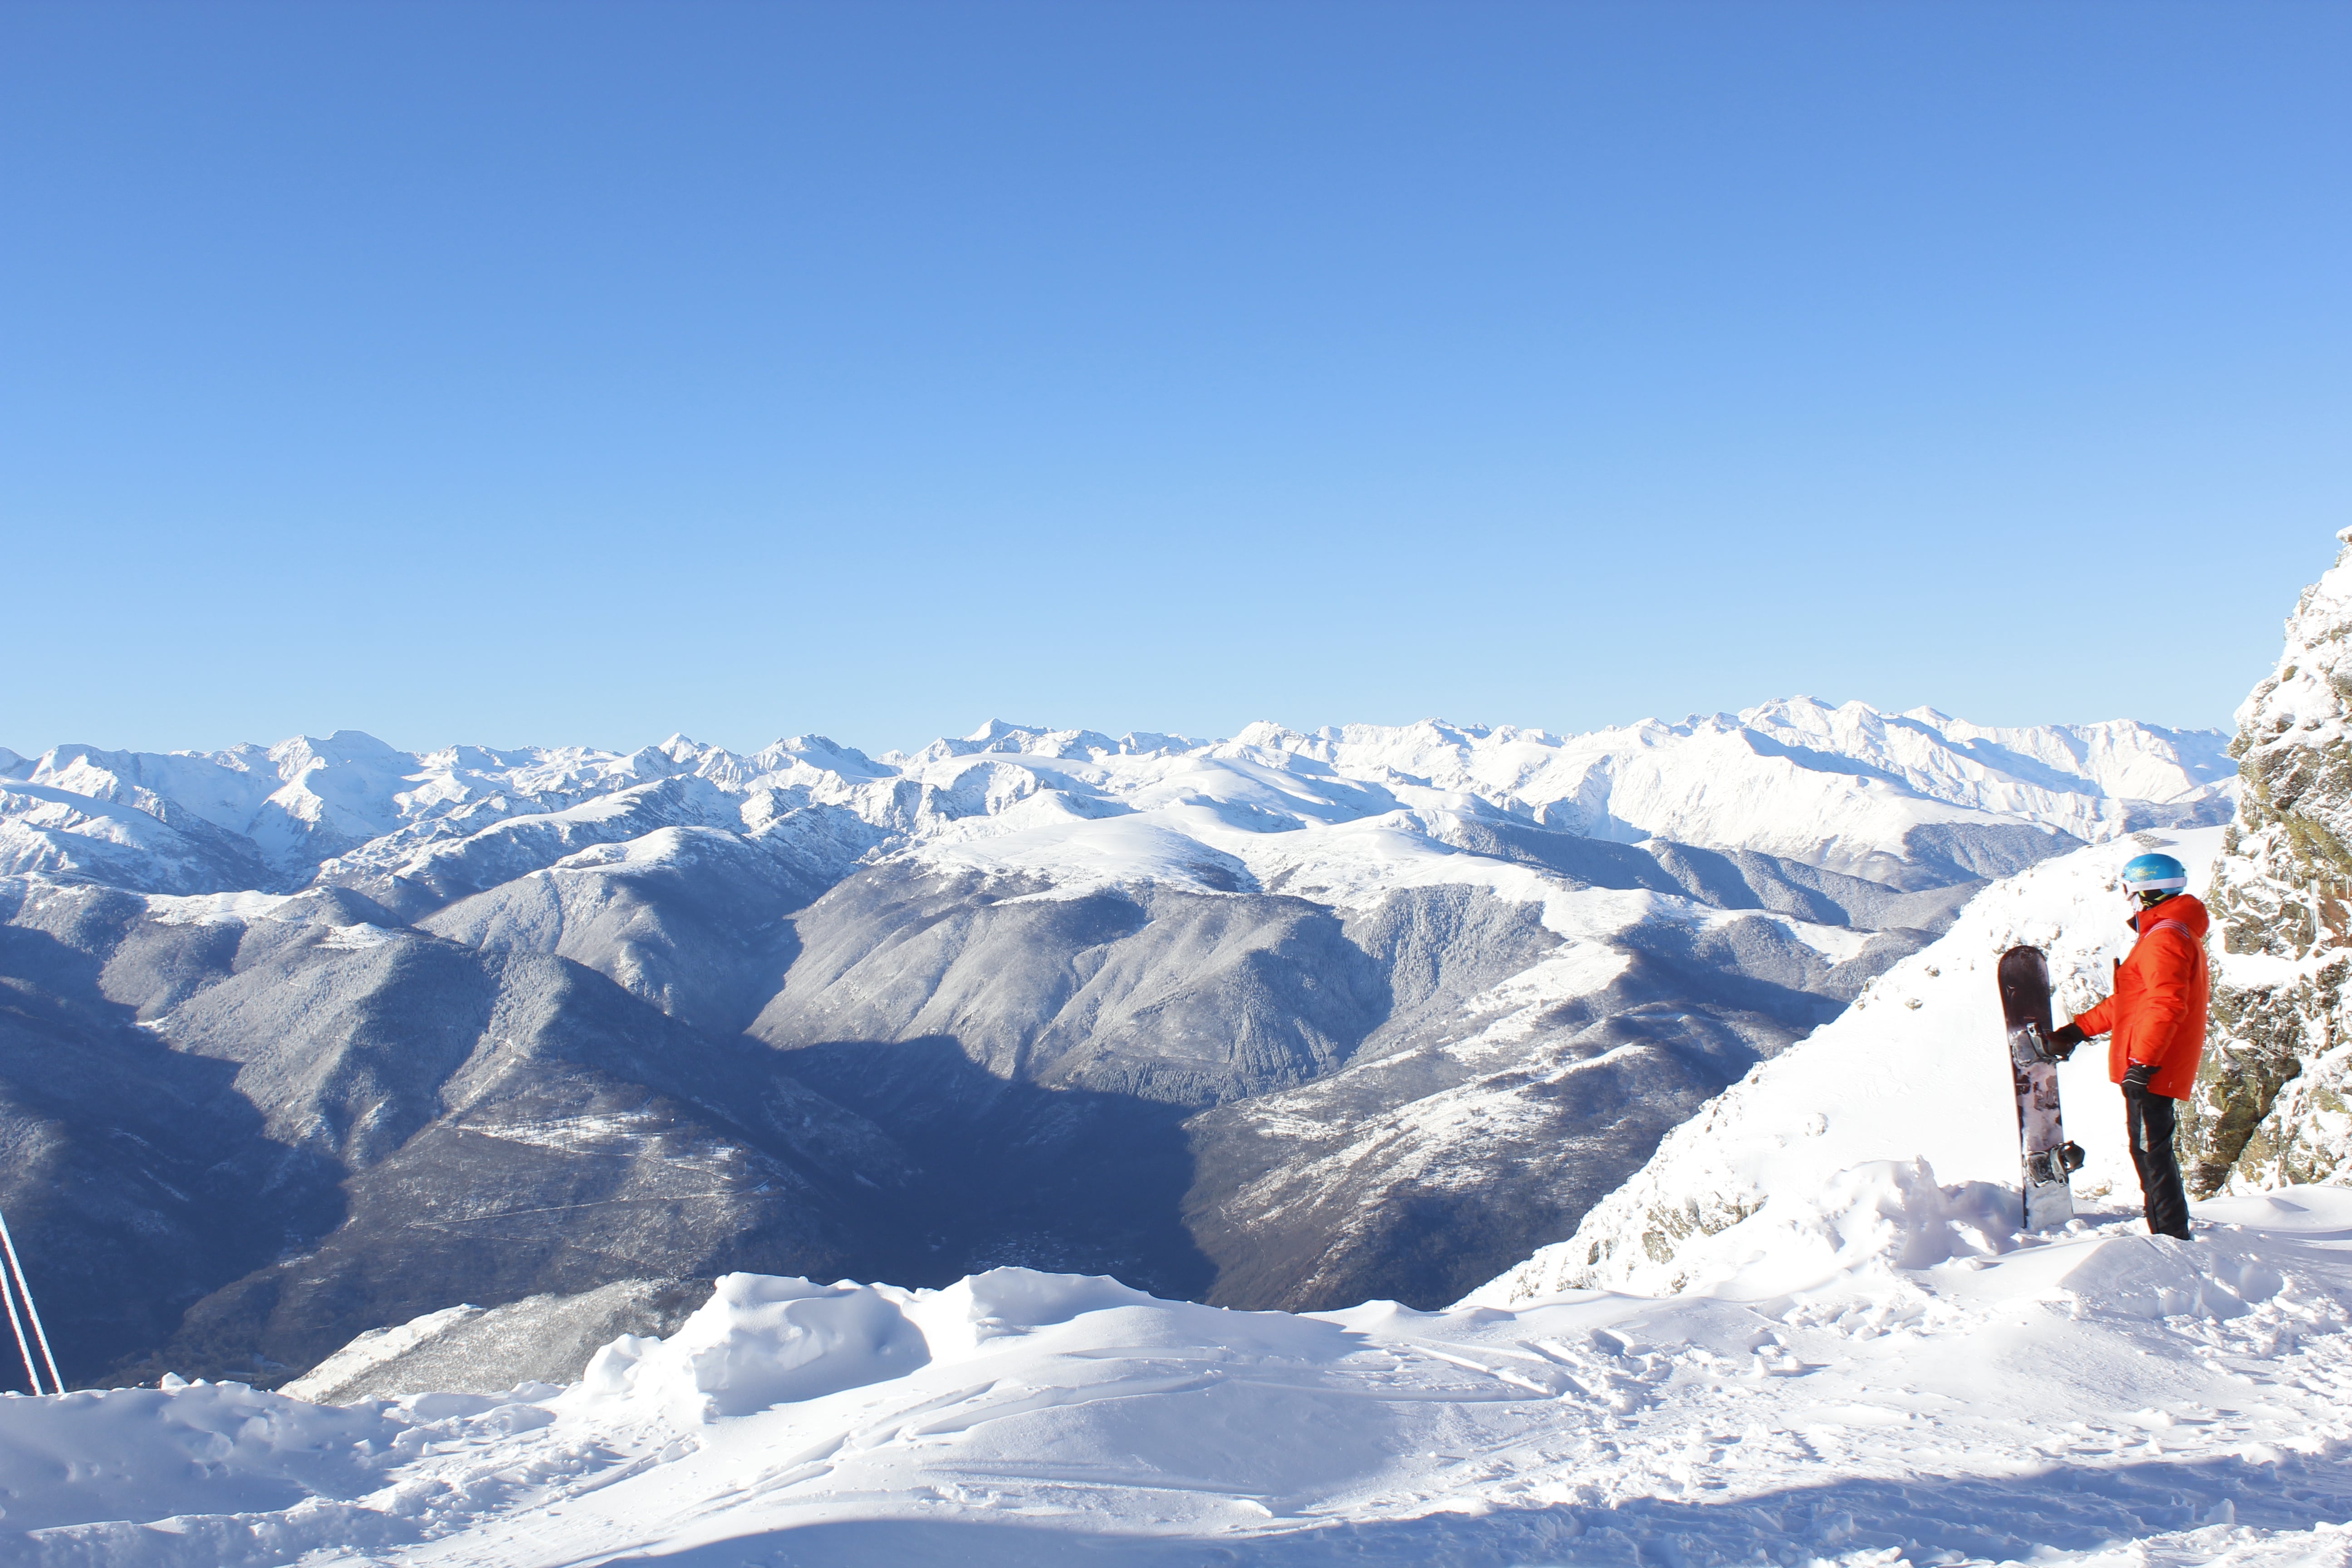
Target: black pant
[{"x": 2150, "y": 1121}]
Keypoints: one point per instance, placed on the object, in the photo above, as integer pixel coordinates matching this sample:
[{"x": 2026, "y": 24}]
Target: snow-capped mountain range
[
  {"x": 1847, "y": 788},
  {"x": 302, "y": 1041}
]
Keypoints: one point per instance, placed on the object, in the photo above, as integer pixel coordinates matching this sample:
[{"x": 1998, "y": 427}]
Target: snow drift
[{"x": 1895, "y": 1375}]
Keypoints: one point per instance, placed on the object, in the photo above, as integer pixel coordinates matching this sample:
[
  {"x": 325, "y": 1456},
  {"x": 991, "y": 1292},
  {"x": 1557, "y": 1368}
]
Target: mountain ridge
[
  {"x": 346, "y": 791},
  {"x": 1287, "y": 1018}
]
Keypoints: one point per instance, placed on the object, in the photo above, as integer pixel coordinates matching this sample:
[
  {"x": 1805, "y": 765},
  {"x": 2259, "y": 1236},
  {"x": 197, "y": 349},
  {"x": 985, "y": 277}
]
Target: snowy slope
[
  {"x": 466, "y": 1349},
  {"x": 1917, "y": 1069},
  {"x": 1914, "y": 1384}
]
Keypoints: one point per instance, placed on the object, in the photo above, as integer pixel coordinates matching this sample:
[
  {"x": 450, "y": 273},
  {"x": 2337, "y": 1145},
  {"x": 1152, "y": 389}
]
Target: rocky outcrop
[{"x": 2270, "y": 1102}]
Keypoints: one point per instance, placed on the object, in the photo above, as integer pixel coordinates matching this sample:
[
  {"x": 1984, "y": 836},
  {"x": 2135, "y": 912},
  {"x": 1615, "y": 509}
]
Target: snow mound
[
  {"x": 1868, "y": 1227},
  {"x": 1008, "y": 1303},
  {"x": 762, "y": 1340},
  {"x": 758, "y": 1341},
  {"x": 2156, "y": 1277},
  {"x": 149, "y": 1452},
  {"x": 221, "y": 1476}
]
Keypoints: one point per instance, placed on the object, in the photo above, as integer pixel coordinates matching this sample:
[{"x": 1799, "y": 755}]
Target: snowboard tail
[{"x": 2049, "y": 1158}]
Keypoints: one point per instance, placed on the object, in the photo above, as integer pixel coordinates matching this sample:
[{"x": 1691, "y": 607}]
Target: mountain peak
[{"x": 1000, "y": 728}]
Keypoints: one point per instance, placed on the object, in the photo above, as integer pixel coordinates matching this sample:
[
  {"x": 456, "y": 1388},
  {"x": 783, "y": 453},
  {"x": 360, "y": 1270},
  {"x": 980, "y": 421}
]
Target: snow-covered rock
[{"x": 2271, "y": 1105}]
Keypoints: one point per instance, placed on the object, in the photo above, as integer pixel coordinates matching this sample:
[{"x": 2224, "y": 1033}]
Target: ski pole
[
  {"x": 8, "y": 1293},
  {"x": 24, "y": 1288}
]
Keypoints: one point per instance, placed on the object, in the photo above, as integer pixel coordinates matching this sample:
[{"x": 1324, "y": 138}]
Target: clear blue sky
[{"x": 515, "y": 372}]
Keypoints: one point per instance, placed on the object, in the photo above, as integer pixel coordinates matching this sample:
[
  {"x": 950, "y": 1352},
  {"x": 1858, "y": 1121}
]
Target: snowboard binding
[
  {"x": 2043, "y": 1049},
  {"x": 2053, "y": 1165}
]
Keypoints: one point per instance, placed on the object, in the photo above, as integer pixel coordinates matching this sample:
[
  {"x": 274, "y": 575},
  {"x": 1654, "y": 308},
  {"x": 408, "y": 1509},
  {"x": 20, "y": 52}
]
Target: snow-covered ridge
[{"x": 1847, "y": 788}]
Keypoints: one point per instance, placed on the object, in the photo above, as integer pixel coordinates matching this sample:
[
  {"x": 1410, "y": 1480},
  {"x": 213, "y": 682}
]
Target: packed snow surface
[{"x": 1907, "y": 1380}]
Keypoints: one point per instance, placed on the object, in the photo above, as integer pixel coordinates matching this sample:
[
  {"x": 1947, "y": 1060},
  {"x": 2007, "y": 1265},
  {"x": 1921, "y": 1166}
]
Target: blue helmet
[{"x": 2155, "y": 874}]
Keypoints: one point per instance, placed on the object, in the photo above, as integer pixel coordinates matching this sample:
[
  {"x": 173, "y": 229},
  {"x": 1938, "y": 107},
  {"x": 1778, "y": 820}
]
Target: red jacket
[{"x": 2157, "y": 1013}]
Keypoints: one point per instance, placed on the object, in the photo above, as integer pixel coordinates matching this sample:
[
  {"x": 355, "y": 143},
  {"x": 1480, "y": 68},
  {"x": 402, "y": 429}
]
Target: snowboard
[{"x": 2033, "y": 1073}]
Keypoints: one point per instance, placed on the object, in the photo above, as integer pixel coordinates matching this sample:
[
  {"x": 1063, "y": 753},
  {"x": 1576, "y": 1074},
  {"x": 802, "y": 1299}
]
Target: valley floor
[{"x": 1928, "y": 1387}]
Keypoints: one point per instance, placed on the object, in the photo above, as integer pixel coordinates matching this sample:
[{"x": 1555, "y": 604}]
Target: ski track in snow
[{"x": 2099, "y": 1397}]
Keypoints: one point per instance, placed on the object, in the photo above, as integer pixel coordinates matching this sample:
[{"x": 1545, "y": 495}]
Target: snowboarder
[{"x": 2157, "y": 1020}]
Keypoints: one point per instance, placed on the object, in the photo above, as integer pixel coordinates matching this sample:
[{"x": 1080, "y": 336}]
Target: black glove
[
  {"x": 2135, "y": 1080},
  {"x": 2061, "y": 1042}
]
